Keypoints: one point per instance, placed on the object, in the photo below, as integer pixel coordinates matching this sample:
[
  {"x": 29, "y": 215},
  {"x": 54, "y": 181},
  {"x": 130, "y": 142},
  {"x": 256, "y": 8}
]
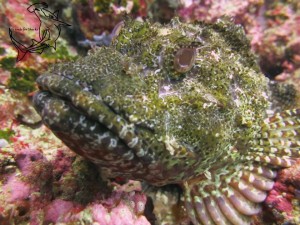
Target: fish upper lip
[{"x": 73, "y": 92}]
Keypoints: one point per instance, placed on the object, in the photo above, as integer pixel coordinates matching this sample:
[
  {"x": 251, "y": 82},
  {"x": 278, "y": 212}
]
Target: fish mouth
[
  {"x": 77, "y": 98},
  {"x": 88, "y": 126}
]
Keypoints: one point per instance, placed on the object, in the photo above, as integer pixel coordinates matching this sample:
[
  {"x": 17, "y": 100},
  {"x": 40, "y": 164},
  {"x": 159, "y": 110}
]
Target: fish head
[{"x": 159, "y": 103}]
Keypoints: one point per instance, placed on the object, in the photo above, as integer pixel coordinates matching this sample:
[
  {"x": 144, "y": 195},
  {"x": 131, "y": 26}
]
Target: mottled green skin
[{"x": 185, "y": 123}]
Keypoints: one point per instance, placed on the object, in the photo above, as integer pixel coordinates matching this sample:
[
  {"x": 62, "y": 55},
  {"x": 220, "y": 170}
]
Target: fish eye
[
  {"x": 117, "y": 29},
  {"x": 184, "y": 59}
]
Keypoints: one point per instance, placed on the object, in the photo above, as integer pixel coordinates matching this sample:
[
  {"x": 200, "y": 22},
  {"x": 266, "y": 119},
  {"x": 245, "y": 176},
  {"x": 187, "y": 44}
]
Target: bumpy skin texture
[
  {"x": 174, "y": 120},
  {"x": 180, "y": 103}
]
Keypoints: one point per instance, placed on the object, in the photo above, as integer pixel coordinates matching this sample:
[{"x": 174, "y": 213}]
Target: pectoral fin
[{"x": 233, "y": 192}]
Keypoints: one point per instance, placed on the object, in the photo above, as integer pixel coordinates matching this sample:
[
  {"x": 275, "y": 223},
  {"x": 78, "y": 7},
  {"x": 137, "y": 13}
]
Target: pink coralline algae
[
  {"x": 36, "y": 190},
  {"x": 282, "y": 201},
  {"x": 57, "y": 209},
  {"x": 209, "y": 10},
  {"x": 16, "y": 190},
  {"x": 123, "y": 212}
]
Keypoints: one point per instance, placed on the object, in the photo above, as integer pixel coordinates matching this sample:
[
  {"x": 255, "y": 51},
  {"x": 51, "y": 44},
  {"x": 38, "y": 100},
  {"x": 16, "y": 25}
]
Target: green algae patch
[
  {"x": 6, "y": 134},
  {"x": 21, "y": 79}
]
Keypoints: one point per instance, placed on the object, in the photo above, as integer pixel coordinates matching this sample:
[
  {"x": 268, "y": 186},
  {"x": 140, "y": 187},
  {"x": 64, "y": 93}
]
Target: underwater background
[{"x": 43, "y": 182}]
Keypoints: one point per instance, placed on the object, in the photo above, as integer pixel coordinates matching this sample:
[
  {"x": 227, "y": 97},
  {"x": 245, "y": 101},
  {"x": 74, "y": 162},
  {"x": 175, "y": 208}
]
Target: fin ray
[
  {"x": 230, "y": 212},
  {"x": 215, "y": 211}
]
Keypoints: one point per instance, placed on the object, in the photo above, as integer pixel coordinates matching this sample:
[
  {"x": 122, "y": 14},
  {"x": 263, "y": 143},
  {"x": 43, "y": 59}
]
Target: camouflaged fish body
[{"x": 180, "y": 103}]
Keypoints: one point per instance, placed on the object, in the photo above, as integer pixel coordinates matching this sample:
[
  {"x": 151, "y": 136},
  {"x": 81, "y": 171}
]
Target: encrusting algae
[{"x": 178, "y": 104}]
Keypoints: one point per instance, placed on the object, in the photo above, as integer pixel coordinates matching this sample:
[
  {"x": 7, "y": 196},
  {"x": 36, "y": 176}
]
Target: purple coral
[{"x": 16, "y": 190}]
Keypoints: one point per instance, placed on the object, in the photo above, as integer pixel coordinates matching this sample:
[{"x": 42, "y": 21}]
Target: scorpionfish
[{"x": 178, "y": 104}]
